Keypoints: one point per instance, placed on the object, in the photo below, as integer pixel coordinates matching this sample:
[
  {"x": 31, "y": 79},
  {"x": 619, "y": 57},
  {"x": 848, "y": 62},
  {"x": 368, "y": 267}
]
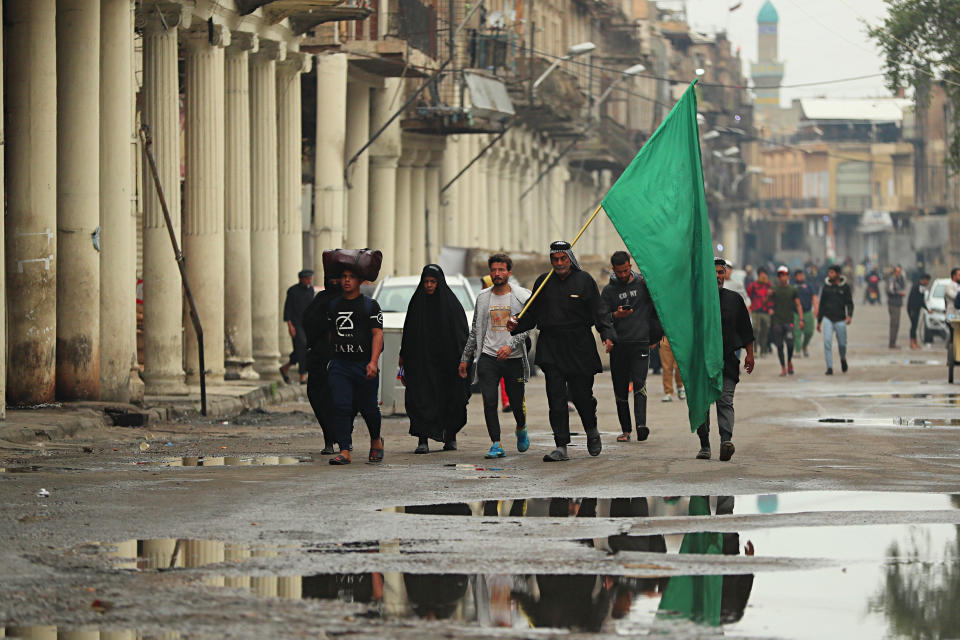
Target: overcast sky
[{"x": 819, "y": 40}]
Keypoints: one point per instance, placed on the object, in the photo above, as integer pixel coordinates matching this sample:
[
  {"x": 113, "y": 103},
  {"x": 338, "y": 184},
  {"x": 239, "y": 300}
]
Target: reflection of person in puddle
[
  {"x": 580, "y": 602},
  {"x": 435, "y": 596}
]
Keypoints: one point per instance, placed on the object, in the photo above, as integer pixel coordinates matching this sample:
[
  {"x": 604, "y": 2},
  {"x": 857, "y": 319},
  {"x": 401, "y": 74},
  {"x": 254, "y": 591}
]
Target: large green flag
[{"x": 659, "y": 209}]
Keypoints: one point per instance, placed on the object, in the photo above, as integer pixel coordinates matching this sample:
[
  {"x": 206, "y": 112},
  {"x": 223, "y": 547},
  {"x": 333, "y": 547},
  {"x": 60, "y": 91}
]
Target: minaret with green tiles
[{"x": 767, "y": 71}]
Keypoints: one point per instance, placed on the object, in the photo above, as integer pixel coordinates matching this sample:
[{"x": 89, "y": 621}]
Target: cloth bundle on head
[
  {"x": 364, "y": 263},
  {"x": 562, "y": 246}
]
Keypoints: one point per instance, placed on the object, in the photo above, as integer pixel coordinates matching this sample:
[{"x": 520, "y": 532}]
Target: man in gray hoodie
[
  {"x": 629, "y": 308},
  {"x": 498, "y": 354}
]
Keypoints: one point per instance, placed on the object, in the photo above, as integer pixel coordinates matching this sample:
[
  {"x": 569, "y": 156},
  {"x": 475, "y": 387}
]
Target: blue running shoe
[
  {"x": 496, "y": 451},
  {"x": 523, "y": 440}
]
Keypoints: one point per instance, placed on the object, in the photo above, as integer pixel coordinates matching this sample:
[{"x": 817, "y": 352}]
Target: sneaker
[
  {"x": 726, "y": 451},
  {"x": 704, "y": 453},
  {"x": 667, "y": 398},
  {"x": 681, "y": 393},
  {"x": 829, "y": 371},
  {"x": 643, "y": 433},
  {"x": 594, "y": 445},
  {"x": 496, "y": 451},
  {"x": 523, "y": 440},
  {"x": 506, "y": 409},
  {"x": 843, "y": 366}
]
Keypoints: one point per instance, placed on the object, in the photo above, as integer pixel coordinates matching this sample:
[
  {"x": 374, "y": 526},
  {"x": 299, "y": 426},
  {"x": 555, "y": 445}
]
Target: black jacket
[
  {"x": 836, "y": 301},
  {"x": 915, "y": 300},
  {"x": 643, "y": 325}
]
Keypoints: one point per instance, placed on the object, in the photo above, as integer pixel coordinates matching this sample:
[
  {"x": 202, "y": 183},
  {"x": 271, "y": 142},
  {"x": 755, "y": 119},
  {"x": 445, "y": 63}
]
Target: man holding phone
[{"x": 630, "y": 310}]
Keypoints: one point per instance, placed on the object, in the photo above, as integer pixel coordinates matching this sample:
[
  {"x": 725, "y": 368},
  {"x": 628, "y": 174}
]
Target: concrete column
[
  {"x": 384, "y": 156},
  {"x": 492, "y": 222},
  {"x": 401, "y": 238},
  {"x": 483, "y": 195},
  {"x": 449, "y": 200},
  {"x": 328, "y": 189},
  {"x": 528, "y": 241},
  {"x": 162, "y": 291},
  {"x": 433, "y": 216},
  {"x": 466, "y": 195},
  {"x": 118, "y": 248},
  {"x": 78, "y": 199},
  {"x": 3, "y": 281},
  {"x": 264, "y": 234},
  {"x": 289, "y": 171},
  {"x": 516, "y": 208},
  {"x": 357, "y": 134},
  {"x": 418, "y": 212},
  {"x": 203, "y": 224},
  {"x": 730, "y": 238},
  {"x": 238, "y": 312},
  {"x": 31, "y": 211}
]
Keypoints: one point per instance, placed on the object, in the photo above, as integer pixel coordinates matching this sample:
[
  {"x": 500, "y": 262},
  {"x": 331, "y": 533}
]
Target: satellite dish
[{"x": 496, "y": 20}]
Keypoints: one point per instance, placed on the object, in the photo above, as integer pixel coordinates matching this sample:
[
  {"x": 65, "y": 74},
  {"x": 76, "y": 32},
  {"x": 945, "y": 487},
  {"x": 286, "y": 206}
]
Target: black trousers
[
  {"x": 489, "y": 372},
  {"x": 783, "y": 333},
  {"x": 579, "y": 389},
  {"x": 299, "y": 354},
  {"x": 321, "y": 400},
  {"x": 914, "y": 315},
  {"x": 629, "y": 362}
]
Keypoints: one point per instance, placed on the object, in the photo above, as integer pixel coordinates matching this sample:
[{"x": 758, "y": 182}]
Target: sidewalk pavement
[{"x": 58, "y": 420}]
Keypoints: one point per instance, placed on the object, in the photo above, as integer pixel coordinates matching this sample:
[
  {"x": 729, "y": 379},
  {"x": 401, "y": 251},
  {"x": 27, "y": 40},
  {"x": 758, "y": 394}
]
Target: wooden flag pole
[{"x": 550, "y": 273}]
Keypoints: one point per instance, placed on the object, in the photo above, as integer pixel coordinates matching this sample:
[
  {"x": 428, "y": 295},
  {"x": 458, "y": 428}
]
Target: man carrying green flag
[{"x": 659, "y": 209}]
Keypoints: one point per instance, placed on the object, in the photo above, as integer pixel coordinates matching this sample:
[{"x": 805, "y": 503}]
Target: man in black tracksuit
[
  {"x": 834, "y": 314},
  {"x": 318, "y": 355},
  {"x": 629, "y": 309},
  {"x": 565, "y": 310}
]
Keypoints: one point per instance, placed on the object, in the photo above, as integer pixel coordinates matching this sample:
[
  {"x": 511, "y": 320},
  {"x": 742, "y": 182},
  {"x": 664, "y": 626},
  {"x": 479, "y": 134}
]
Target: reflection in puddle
[
  {"x": 24, "y": 469},
  {"x": 229, "y": 461},
  {"x": 177, "y": 553},
  {"x": 899, "y": 421},
  {"x": 51, "y": 632}
]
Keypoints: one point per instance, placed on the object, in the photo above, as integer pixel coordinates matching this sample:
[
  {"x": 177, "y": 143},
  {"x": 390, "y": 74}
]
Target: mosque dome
[{"x": 768, "y": 14}]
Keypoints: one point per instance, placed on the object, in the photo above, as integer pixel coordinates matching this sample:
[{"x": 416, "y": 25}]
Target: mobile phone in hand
[{"x": 626, "y": 307}]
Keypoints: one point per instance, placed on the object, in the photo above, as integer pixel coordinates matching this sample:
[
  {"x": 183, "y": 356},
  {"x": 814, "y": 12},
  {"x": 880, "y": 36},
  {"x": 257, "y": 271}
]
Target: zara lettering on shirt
[{"x": 351, "y": 328}]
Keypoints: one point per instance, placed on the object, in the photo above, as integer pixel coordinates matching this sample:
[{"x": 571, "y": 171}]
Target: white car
[
  {"x": 393, "y": 294},
  {"x": 934, "y": 322}
]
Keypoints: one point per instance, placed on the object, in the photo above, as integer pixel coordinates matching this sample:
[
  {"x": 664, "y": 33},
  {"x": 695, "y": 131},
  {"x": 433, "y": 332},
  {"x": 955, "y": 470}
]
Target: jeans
[
  {"x": 489, "y": 372},
  {"x": 894, "y": 310},
  {"x": 783, "y": 333},
  {"x": 761, "y": 327},
  {"x": 579, "y": 388},
  {"x": 349, "y": 387},
  {"x": 628, "y": 363},
  {"x": 830, "y": 327},
  {"x": 802, "y": 337},
  {"x": 724, "y": 415}
]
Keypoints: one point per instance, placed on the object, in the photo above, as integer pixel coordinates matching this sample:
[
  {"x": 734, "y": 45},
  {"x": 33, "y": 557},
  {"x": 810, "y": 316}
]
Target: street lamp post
[
  {"x": 629, "y": 72},
  {"x": 572, "y": 52}
]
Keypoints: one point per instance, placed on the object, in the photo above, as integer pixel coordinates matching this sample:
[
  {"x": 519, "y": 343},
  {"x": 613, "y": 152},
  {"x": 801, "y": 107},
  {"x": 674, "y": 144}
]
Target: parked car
[
  {"x": 393, "y": 294},
  {"x": 934, "y": 322}
]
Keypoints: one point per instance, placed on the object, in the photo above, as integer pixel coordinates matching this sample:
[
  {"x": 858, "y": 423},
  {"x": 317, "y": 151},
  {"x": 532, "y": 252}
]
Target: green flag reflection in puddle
[{"x": 695, "y": 598}]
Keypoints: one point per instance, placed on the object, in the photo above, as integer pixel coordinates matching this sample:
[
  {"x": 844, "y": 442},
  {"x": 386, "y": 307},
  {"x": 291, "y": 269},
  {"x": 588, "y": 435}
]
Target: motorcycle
[{"x": 873, "y": 289}]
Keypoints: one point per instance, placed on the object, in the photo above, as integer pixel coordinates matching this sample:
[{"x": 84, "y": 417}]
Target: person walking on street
[
  {"x": 355, "y": 326},
  {"x": 808, "y": 302},
  {"x": 760, "y": 308},
  {"x": 630, "y": 310},
  {"x": 299, "y": 297},
  {"x": 318, "y": 353},
  {"x": 566, "y": 308},
  {"x": 896, "y": 292},
  {"x": 786, "y": 306},
  {"x": 834, "y": 314},
  {"x": 670, "y": 372},
  {"x": 737, "y": 334},
  {"x": 498, "y": 357},
  {"x": 434, "y": 333},
  {"x": 916, "y": 303}
]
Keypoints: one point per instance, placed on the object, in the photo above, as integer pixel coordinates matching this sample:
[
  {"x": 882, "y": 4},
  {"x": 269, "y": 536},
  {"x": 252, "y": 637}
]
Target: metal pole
[
  {"x": 550, "y": 273},
  {"x": 178, "y": 256}
]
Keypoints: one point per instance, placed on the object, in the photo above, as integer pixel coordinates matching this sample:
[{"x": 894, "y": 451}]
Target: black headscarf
[
  {"x": 562, "y": 246},
  {"x": 434, "y": 334}
]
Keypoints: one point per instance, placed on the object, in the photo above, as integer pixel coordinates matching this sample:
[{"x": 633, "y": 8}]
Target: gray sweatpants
[{"x": 724, "y": 415}]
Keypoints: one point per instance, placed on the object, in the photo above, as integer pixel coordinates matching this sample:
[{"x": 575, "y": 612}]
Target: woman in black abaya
[{"x": 434, "y": 334}]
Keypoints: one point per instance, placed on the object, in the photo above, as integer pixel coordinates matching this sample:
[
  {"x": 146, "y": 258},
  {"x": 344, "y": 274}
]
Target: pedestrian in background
[
  {"x": 498, "y": 357},
  {"x": 670, "y": 372},
  {"x": 896, "y": 292},
  {"x": 834, "y": 314},
  {"x": 915, "y": 303},
  {"x": 316, "y": 333},
  {"x": 760, "y": 308},
  {"x": 808, "y": 302},
  {"x": 786, "y": 305},
  {"x": 299, "y": 297},
  {"x": 434, "y": 334},
  {"x": 737, "y": 334},
  {"x": 630, "y": 311},
  {"x": 566, "y": 309}
]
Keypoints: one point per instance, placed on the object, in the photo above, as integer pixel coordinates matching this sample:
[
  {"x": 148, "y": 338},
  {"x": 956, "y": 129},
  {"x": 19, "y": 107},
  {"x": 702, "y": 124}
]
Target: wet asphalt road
[{"x": 265, "y": 522}]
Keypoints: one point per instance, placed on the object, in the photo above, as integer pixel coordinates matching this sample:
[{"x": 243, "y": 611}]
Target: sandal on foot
[
  {"x": 623, "y": 437},
  {"x": 339, "y": 459},
  {"x": 376, "y": 454},
  {"x": 557, "y": 455}
]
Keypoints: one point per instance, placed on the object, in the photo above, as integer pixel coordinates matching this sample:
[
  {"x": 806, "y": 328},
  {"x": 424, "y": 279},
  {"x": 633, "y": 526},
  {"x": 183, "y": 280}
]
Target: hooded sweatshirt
[
  {"x": 836, "y": 301},
  {"x": 637, "y": 326}
]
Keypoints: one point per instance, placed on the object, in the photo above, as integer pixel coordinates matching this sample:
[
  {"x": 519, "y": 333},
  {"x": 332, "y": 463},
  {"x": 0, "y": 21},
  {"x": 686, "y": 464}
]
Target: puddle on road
[
  {"x": 936, "y": 399},
  {"x": 898, "y": 421},
  {"x": 659, "y": 506},
  {"x": 228, "y": 461},
  {"x": 180, "y": 553}
]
